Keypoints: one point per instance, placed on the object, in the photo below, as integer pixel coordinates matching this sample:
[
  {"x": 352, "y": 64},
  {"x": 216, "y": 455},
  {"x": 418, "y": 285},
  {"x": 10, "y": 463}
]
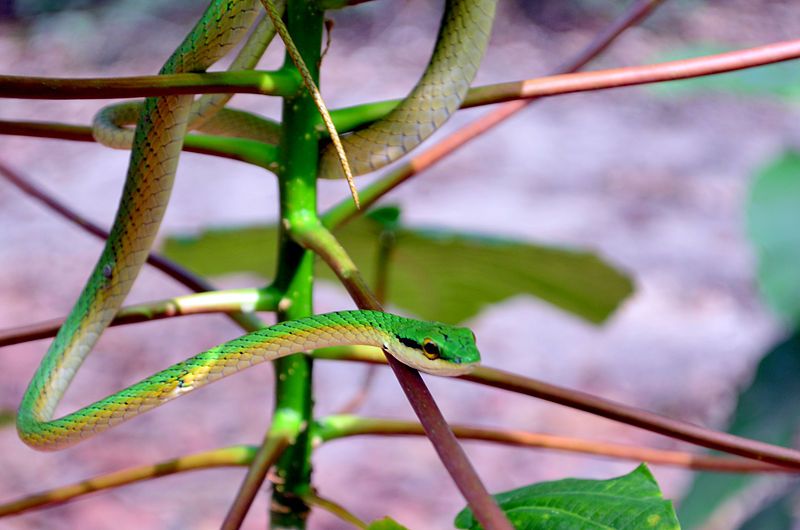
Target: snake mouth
[{"x": 439, "y": 367}]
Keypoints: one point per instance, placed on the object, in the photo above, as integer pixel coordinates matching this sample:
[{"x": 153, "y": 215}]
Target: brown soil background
[{"x": 654, "y": 184}]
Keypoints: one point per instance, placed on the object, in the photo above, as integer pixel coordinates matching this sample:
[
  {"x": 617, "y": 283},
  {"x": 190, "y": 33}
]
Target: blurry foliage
[
  {"x": 629, "y": 502},
  {"x": 434, "y": 274},
  {"x": 767, "y": 411},
  {"x": 775, "y": 515},
  {"x": 28, "y": 8},
  {"x": 773, "y": 219}
]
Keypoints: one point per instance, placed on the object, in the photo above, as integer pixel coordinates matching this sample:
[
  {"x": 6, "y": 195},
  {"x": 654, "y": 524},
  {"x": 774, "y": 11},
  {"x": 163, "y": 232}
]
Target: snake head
[{"x": 435, "y": 348}]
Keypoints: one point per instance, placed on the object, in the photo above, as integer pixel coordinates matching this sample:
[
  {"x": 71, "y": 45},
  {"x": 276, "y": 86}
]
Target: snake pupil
[{"x": 431, "y": 349}]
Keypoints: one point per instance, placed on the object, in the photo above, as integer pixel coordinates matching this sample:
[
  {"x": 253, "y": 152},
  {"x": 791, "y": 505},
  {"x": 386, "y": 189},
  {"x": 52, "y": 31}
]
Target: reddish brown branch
[
  {"x": 773, "y": 454},
  {"x": 635, "y": 75},
  {"x": 335, "y": 427}
]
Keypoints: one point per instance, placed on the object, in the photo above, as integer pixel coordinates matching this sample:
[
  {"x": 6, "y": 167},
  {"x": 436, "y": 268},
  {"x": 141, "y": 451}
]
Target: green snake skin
[
  {"x": 151, "y": 173},
  {"x": 407, "y": 339}
]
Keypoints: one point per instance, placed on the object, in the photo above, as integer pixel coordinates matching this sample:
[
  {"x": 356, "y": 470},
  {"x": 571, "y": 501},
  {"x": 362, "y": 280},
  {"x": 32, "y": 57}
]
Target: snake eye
[{"x": 430, "y": 349}]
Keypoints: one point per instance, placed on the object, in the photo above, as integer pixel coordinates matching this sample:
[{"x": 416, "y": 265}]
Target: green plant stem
[
  {"x": 386, "y": 245},
  {"x": 297, "y": 172},
  {"x": 281, "y": 83},
  {"x": 222, "y": 301},
  {"x": 313, "y": 235},
  {"x": 281, "y": 435},
  {"x": 241, "y": 149},
  {"x": 336, "y": 509}
]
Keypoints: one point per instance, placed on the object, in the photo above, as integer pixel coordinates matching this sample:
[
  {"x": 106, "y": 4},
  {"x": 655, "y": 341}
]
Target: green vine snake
[{"x": 156, "y": 144}]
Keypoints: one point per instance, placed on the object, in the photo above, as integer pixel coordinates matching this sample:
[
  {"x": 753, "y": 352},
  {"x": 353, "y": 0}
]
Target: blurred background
[{"x": 656, "y": 180}]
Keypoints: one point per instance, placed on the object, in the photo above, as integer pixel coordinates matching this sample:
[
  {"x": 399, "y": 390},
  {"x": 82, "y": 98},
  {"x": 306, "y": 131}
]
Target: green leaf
[
  {"x": 632, "y": 501},
  {"x": 781, "y": 80},
  {"x": 387, "y": 523},
  {"x": 765, "y": 411},
  {"x": 434, "y": 274},
  {"x": 773, "y": 218}
]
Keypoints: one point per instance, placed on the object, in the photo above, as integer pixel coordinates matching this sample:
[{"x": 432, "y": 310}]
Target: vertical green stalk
[{"x": 298, "y": 204}]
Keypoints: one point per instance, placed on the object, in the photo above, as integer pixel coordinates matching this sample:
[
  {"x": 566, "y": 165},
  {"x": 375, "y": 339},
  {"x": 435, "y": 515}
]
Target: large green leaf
[
  {"x": 632, "y": 502},
  {"x": 766, "y": 411},
  {"x": 781, "y": 80},
  {"x": 773, "y": 215},
  {"x": 434, "y": 274}
]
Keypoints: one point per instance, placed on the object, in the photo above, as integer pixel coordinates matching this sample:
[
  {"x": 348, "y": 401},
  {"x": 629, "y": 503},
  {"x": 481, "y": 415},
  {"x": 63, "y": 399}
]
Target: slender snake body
[{"x": 156, "y": 145}]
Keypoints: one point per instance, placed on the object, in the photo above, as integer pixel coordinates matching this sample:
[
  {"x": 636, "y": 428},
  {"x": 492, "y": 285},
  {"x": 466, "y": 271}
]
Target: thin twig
[
  {"x": 636, "y": 75},
  {"x": 238, "y": 455},
  {"x": 386, "y": 244},
  {"x": 223, "y": 301},
  {"x": 308, "y": 80},
  {"x": 335, "y": 508},
  {"x": 340, "y": 426},
  {"x": 266, "y": 455},
  {"x": 636, "y": 417},
  {"x": 240, "y": 149}
]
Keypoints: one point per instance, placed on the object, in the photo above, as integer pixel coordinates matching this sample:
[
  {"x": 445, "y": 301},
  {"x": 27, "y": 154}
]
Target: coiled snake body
[{"x": 162, "y": 124}]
